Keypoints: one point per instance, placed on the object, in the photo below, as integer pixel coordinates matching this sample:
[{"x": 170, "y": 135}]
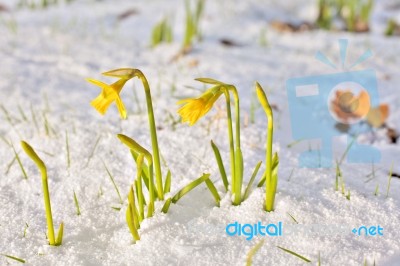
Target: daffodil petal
[{"x": 121, "y": 107}]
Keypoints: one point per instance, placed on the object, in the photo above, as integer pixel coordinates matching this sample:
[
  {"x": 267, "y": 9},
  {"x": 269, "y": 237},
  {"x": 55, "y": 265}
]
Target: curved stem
[
  {"x": 153, "y": 133},
  {"x": 270, "y": 188},
  {"x": 230, "y": 133}
]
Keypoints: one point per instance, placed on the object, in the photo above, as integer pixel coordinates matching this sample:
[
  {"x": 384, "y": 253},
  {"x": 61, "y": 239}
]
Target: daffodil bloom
[
  {"x": 108, "y": 95},
  {"x": 194, "y": 109}
]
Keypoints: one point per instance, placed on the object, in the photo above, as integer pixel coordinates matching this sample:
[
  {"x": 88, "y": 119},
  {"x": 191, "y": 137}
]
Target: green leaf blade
[
  {"x": 221, "y": 166},
  {"x": 213, "y": 191},
  {"x": 294, "y": 254},
  {"x": 189, "y": 187},
  {"x": 252, "y": 178}
]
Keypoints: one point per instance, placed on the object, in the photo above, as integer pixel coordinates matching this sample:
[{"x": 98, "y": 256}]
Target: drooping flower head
[
  {"x": 195, "y": 108},
  {"x": 110, "y": 93}
]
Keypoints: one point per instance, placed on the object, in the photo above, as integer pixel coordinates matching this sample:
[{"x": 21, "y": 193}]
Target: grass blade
[
  {"x": 253, "y": 176},
  {"x": 294, "y": 254},
  {"x": 20, "y": 163},
  {"x": 390, "y": 179},
  {"x": 213, "y": 191},
  {"x": 291, "y": 216},
  {"x": 21, "y": 112},
  {"x": 347, "y": 150},
  {"x": 167, "y": 203},
  {"x": 338, "y": 174},
  {"x": 291, "y": 174},
  {"x": 167, "y": 184},
  {"x": 10, "y": 164},
  {"x": 253, "y": 251},
  {"x": 34, "y": 119},
  {"x": 26, "y": 229},
  {"x": 376, "y": 190},
  {"x": 93, "y": 150},
  {"x": 5, "y": 141},
  {"x": 189, "y": 187},
  {"x": 13, "y": 258},
  {"x": 220, "y": 165},
  {"x": 60, "y": 235},
  {"x": 114, "y": 184},
  {"x": 290, "y": 145},
  {"x": 78, "y": 210}
]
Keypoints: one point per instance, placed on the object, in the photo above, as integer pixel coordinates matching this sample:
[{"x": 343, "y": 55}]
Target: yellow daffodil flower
[
  {"x": 108, "y": 95},
  {"x": 195, "y": 108}
]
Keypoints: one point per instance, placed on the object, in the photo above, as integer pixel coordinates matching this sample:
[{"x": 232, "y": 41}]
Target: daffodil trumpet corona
[{"x": 111, "y": 93}]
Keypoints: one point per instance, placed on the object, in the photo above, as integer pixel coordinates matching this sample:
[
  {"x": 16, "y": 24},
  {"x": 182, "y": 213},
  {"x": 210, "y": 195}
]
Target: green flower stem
[
  {"x": 49, "y": 216},
  {"x": 139, "y": 162},
  {"x": 153, "y": 133},
  {"x": 270, "y": 184},
  {"x": 150, "y": 209},
  {"x": 238, "y": 151},
  {"x": 230, "y": 133},
  {"x": 43, "y": 170},
  {"x": 237, "y": 114}
]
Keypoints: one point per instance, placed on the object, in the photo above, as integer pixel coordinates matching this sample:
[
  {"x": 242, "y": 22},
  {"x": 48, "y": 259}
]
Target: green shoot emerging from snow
[
  {"x": 192, "y": 29},
  {"x": 78, "y": 209},
  {"x": 149, "y": 172},
  {"x": 355, "y": 14},
  {"x": 162, "y": 32},
  {"x": 253, "y": 251},
  {"x": 271, "y": 171},
  {"x": 114, "y": 184},
  {"x": 137, "y": 203},
  {"x": 195, "y": 108},
  {"x": 49, "y": 217}
]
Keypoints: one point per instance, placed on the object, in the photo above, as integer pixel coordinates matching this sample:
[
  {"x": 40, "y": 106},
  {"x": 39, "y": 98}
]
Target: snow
[{"x": 44, "y": 65}]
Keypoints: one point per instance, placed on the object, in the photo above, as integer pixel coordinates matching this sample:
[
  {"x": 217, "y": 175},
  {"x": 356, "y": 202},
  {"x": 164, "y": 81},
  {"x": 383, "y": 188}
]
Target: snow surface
[{"x": 44, "y": 64}]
